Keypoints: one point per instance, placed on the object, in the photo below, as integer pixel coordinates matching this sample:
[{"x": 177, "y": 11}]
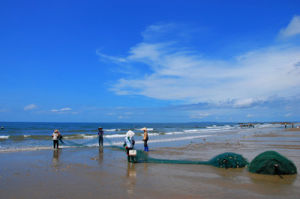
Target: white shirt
[{"x": 55, "y": 136}]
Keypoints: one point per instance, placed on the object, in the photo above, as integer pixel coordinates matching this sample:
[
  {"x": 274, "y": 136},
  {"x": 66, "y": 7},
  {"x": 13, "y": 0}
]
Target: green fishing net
[
  {"x": 224, "y": 160},
  {"x": 228, "y": 160},
  {"x": 272, "y": 163}
]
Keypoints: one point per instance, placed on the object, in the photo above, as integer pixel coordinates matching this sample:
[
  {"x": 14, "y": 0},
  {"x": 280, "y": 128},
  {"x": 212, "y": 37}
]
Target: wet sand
[
  {"x": 293, "y": 129},
  {"x": 89, "y": 173}
]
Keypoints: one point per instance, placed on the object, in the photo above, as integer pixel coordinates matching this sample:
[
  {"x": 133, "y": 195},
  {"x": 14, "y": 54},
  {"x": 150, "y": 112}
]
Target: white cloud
[
  {"x": 185, "y": 76},
  {"x": 292, "y": 29},
  {"x": 250, "y": 115},
  {"x": 30, "y": 107},
  {"x": 65, "y": 109},
  {"x": 248, "y": 102},
  {"x": 199, "y": 115},
  {"x": 110, "y": 58},
  {"x": 178, "y": 74},
  {"x": 288, "y": 114},
  {"x": 62, "y": 110}
]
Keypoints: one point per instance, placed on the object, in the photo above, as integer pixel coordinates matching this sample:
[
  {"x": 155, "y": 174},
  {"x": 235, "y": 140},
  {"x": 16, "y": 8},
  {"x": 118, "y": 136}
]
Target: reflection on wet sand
[
  {"x": 146, "y": 168},
  {"x": 280, "y": 179},
  {"x": 55, "y": 158},
  {"x": 272, "y": 184},
  {"x": 100, "y": 157},
  {"x": 229, "y": 173},
  {"x": 131, "y": 178}
]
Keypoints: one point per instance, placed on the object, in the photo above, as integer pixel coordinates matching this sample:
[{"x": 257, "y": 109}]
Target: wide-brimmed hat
[
  {"x": 100, "y": 127},
  {"x": 130, "y": 133},
  {"x": 144, "y": 129}
]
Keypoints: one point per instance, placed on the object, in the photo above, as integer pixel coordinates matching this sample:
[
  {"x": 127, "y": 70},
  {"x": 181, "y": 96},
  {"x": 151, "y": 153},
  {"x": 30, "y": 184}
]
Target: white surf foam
[
  {"x": 268, "y": 125},
  {"x": 109, "y": 130},
  {"x": 195, "y": 131},
  {"x": 178, "y": 139},
  {"x": 89, "y": 136},
  {"x": 4, "y": 137},
  {"x": 148, "y": 129},
  {"x": 153, "y": 134},
  {"x": 175, "y": 133},
  {"x": 114, "y": 136}
]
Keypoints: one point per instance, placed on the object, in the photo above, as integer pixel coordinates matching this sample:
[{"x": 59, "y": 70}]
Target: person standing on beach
[
  {"x": 100, "y": 137},
  {"x": 55, "y": 136},
  {"x": 145, "y": 139},
  {"x": 129, "y": 142}
]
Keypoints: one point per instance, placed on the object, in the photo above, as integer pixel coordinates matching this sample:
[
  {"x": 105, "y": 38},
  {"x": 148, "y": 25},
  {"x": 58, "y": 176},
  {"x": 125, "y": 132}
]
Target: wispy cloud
[
  {"x": 110, "y": 58},
  {"x": 292, "y": 29},
  {"x": 288, "y": 114},
  {"x": 62, "y": 110},
  {"x": 30, "y": 107},
  {"x": 250, "y": 115},
  {"x": 198, "y": 115},
  {"x": 248, "y": 102}
]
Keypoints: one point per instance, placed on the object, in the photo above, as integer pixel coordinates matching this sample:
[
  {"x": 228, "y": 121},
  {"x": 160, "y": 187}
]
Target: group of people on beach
[
  {"x": 128, "y": 143},
  {"x": 129, "y": 139}
]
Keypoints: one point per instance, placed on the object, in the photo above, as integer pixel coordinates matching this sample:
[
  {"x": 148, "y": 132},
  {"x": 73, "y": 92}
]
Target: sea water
[{"x": 24, "y": 136}]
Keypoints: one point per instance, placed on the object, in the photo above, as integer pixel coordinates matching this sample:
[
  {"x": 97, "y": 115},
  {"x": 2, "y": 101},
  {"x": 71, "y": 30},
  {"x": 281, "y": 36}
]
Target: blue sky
[{"x": 150, "y": 61}]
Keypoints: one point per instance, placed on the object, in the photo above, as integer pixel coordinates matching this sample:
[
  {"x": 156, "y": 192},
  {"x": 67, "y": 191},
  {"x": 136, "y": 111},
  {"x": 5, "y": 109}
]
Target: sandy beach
[{"x": 89, "y": 173}]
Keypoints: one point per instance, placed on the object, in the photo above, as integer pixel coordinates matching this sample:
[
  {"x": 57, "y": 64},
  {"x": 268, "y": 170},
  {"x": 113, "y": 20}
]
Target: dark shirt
[{"x": 100, "y": 132}]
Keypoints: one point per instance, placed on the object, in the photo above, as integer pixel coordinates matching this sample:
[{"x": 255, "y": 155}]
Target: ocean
[{"x": 29, "y": 136}]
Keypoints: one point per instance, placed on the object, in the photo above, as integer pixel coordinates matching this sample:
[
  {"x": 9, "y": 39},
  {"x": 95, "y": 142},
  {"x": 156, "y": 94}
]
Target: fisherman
[
  {"x": 100, "y": 137},
  {"x": 60, "y": 137},
  {"x": 129, "y": 142},
  {"x": 145, "y": 139},
  {"x": 55, "y": 137}
]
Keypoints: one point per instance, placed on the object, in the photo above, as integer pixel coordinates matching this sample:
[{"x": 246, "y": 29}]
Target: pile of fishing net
[
  {"x": 272, "y": 163},
  {"x": 269, "y": 162},
  {"x": 224, "y": 160}
]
